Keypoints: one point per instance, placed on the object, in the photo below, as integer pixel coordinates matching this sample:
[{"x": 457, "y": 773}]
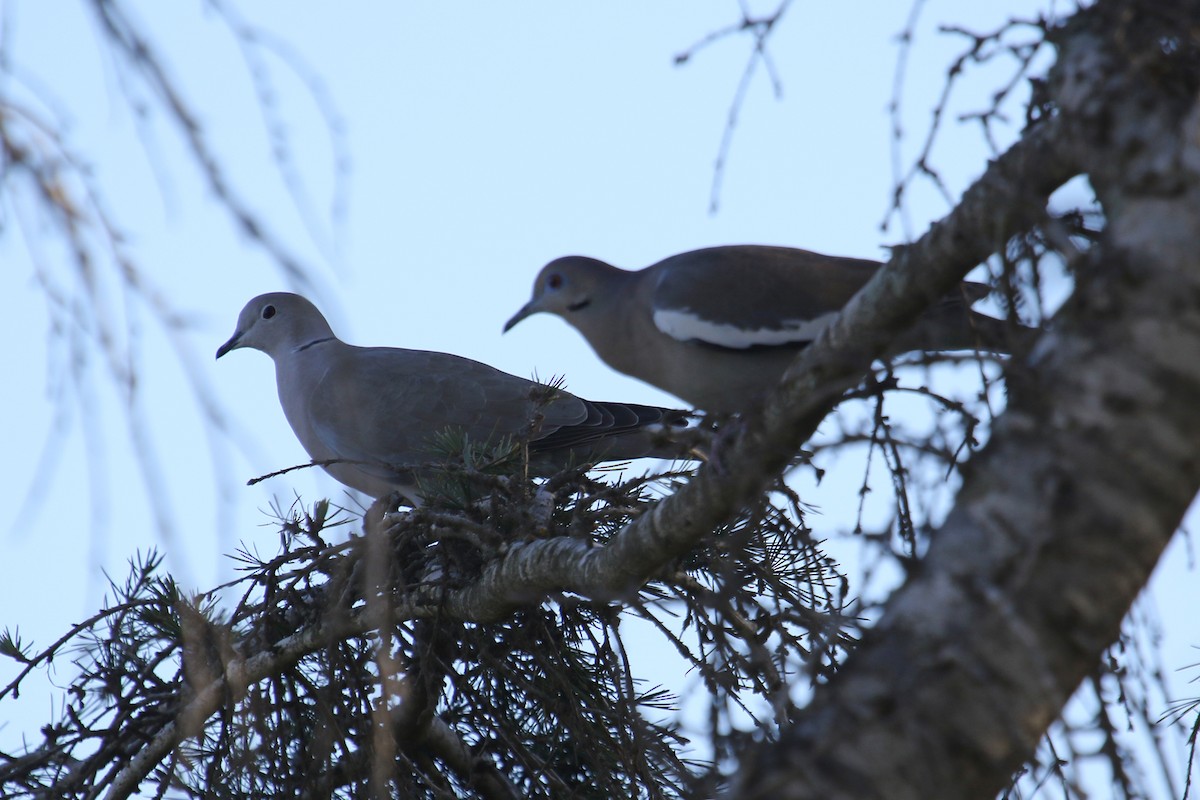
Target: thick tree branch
[{"x": 1088, "y": 473}]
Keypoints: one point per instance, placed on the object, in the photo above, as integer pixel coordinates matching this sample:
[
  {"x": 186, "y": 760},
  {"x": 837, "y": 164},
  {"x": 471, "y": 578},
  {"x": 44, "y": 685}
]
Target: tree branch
[
  {"x": 1064, "y": 515},
  {"x": 237, "y": 674}
]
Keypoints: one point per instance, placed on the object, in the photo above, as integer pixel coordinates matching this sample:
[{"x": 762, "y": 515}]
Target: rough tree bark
[{"x": 1088, "y": 474}]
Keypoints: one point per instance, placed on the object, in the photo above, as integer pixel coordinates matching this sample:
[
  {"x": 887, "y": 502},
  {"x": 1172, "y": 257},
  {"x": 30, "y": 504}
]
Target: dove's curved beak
[
  {"x": 528, "y": 309},
  {"x": 232, "y": 344}
]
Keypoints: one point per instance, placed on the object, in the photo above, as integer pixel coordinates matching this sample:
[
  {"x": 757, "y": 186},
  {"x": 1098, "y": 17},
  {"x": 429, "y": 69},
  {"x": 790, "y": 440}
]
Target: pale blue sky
[{"x": 484, "y": 141}]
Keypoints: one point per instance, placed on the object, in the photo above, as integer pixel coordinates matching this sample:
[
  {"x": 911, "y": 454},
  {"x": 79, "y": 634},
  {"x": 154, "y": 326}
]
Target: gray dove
[{"x": 377, "y": 412}]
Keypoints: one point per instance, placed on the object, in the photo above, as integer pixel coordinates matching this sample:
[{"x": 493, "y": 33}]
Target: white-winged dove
[
  {"x": 378, "y": 411},
  {"x": 718, "y": 327}
]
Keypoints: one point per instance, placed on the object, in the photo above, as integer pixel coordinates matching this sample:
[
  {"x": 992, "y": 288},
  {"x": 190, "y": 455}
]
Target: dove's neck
[
  {"x": 299, "y": 371},
  {"x": 317, "y": 341}
]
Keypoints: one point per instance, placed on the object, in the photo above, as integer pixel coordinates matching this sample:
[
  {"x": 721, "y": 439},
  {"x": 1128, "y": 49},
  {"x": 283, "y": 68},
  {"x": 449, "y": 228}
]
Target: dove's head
[
  {"x": 569, "y": 287},
  {"x": 278, "y": 323}
]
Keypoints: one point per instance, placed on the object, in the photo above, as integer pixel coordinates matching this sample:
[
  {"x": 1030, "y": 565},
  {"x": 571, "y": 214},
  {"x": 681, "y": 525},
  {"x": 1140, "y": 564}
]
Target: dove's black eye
[{"x": 268, "y": 312}]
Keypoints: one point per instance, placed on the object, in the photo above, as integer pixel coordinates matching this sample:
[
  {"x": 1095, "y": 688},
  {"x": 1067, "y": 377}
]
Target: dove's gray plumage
[{"x": 379, "y": 410}]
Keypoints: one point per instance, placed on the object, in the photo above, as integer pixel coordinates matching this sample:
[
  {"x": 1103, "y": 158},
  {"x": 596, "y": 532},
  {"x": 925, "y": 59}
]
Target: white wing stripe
[{"x": 686, "y": 326}]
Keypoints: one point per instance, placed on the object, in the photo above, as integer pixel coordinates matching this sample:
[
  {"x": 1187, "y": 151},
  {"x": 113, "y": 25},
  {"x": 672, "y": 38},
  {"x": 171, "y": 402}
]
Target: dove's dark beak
[
  {"x": 232, "y": 344},
  {"x": 528, "y": 309}
]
